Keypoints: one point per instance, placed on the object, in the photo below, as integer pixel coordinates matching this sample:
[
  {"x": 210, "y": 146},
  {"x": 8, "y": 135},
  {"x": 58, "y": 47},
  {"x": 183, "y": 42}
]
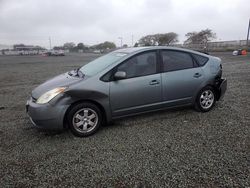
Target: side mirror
[{"x": 120, "y": 75}]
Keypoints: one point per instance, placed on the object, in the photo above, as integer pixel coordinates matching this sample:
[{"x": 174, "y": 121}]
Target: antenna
[
  {"x": 50, "y": 43},
  {"x": 121, "y": 40}
]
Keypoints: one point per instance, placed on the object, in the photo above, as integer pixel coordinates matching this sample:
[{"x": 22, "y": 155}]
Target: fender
[{"x": 100, "y": 98}]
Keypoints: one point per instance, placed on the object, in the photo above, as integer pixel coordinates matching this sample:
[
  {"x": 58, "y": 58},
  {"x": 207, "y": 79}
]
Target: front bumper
[{"x": 46, "y": 116}]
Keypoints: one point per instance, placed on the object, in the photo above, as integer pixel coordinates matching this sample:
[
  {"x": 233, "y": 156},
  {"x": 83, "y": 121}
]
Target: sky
[{"x": 96, "y": 21}]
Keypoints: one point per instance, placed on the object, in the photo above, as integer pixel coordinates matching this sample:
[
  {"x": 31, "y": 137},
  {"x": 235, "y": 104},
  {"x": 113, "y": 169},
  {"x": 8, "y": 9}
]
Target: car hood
[{"x": 62, "y": 80}]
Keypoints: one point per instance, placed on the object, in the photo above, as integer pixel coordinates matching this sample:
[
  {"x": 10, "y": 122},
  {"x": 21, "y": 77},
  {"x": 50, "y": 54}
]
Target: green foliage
[
  {"x": 80, "y": 46},
  {"x": 149, "y": 40},
  {"x": 167, "y": 39},
  {"x": 159, "y": 39},
  {"x": 201, "y": 37},
  {"x": 105, "y": 46},
  {"x": 69, "y": 45}
]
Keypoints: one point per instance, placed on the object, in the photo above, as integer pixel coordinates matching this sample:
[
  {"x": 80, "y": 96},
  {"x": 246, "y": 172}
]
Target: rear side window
[
  {"x": 201, "y": 60},
  {"x": 175, "y": 60}
]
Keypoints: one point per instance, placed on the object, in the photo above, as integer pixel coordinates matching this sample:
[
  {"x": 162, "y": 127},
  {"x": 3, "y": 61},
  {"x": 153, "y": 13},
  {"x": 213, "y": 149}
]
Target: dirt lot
[{"x": 176, "y": 148}]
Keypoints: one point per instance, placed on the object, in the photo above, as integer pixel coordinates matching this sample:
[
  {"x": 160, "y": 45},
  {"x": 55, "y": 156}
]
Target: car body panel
[
  {"x": 92, "y": 90},
  {"x": 181, "y": 84},
  {"x": 222, "y": 87},
  {"x": 131, "y": 95},
  {"x": 125, "y": 97},
  {"x": 58, "y": 81},
  {"x": 50, "y": 115}
]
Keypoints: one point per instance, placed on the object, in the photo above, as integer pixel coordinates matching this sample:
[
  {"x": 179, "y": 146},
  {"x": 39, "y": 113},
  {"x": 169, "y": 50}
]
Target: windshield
[{"x": 101, "y": 63}]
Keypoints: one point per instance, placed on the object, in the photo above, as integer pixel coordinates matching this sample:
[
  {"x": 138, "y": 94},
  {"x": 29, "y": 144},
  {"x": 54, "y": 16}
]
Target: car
[
  {"x": 54, "y": 53},
  {"x": 127, "y": 82},
  {"x": 239, "y": 52},
  {"x": 58, "y": 53}
]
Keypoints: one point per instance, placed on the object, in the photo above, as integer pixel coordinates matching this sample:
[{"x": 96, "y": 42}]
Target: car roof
[{"x": 141, "y": 49}]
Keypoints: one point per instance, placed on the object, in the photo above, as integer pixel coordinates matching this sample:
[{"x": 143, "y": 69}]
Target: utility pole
[
  {"x": 132, "y": 40},
  {"x": 121, "y": 40},
  {"x": 49, "y": 43},
  {"x": 248, "y": 33}
]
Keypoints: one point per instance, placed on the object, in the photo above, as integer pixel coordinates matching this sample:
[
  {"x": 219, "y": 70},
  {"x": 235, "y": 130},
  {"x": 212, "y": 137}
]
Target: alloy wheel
[
  {"x": 85, "y": 120},
  {"x": 206, "y": 99}
]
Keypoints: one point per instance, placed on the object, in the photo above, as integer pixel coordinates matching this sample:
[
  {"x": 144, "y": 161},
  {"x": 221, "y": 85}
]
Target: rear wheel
[
  {"x": 206, "y": 99},
  {"x": 84, "y": 119}
]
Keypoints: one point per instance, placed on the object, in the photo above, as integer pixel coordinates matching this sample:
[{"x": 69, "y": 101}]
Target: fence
[{"x": 217, "y": 46}]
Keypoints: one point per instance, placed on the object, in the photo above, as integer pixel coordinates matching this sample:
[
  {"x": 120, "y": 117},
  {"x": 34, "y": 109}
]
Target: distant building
[{"x": 22, "y": 47}]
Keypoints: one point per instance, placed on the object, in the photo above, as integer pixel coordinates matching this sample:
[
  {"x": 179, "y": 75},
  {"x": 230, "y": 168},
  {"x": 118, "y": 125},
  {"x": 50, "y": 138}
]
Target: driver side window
[{"x": 139, "y": 65}]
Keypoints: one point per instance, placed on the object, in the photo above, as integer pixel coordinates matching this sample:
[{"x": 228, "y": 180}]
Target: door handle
[
  {"x": 154, "y": 82},
  {"x": 197, "y": 75}
]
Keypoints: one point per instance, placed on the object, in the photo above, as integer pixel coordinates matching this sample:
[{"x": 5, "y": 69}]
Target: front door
[{"x": 141, "y": 90}]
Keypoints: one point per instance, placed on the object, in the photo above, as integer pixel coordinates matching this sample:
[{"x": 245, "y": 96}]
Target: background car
[
  {"x": 240, "y": 52},
  {"x": 54, "y": 53}
]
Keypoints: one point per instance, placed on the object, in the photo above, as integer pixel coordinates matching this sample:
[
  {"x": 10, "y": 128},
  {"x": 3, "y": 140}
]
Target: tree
[
  {"x": 105, "y": 46},
  {"x": 80, "y": 46},
  {"x": 149, "y": 40},
  {"x": 159, "y": 39},
  {"x": 167, "y": 39},
  {"x": 108, "y": 45},
  {"x": 69, "y": 45},
  {"x": 201, "y": 37}
]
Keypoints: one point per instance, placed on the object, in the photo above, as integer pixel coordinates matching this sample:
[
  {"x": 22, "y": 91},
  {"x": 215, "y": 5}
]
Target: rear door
[{"x": 181, "y": 77}]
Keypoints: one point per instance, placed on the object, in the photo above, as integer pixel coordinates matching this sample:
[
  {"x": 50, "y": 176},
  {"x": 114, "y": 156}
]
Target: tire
[
  {"x": 84, "y": 119},
  {"x": 205, "y": 99}
]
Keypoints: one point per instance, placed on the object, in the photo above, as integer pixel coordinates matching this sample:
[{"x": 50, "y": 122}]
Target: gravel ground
[{"x": 174, "y": 148}]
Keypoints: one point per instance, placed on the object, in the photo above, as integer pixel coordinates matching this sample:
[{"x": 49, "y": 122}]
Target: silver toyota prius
[{"x": 126, "y": 82}]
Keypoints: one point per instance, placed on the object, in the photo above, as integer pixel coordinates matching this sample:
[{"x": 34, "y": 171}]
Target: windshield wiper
[
  {"x": 79, "y": 73},
  {"x": 76, "y": 72},
  {"x": 70, "y": 73}
]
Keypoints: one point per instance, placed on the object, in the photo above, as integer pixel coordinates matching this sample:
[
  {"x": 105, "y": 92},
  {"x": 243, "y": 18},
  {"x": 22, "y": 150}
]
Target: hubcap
[
  {"x": 207, "y": 99},
  {"x": 85, "y": 120}
]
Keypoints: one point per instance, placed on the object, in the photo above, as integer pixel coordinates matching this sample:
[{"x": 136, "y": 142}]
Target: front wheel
[
  {"x": 84, "y": 119},
  {"x": 205, "y": 100}
]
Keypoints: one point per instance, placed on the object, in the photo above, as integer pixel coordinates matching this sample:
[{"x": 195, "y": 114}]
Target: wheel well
[
  {"x": 65, "y": 124},
  {"x": 217, "y": 92}
]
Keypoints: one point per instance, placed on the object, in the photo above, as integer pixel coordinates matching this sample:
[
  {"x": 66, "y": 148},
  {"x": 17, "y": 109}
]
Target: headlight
[{"x": 49, "y": 95}]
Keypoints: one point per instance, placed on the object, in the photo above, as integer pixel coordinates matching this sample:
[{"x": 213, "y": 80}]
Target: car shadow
[
  {"x": 115, "y": 124},
  {"x": 170, "y": 113}
]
